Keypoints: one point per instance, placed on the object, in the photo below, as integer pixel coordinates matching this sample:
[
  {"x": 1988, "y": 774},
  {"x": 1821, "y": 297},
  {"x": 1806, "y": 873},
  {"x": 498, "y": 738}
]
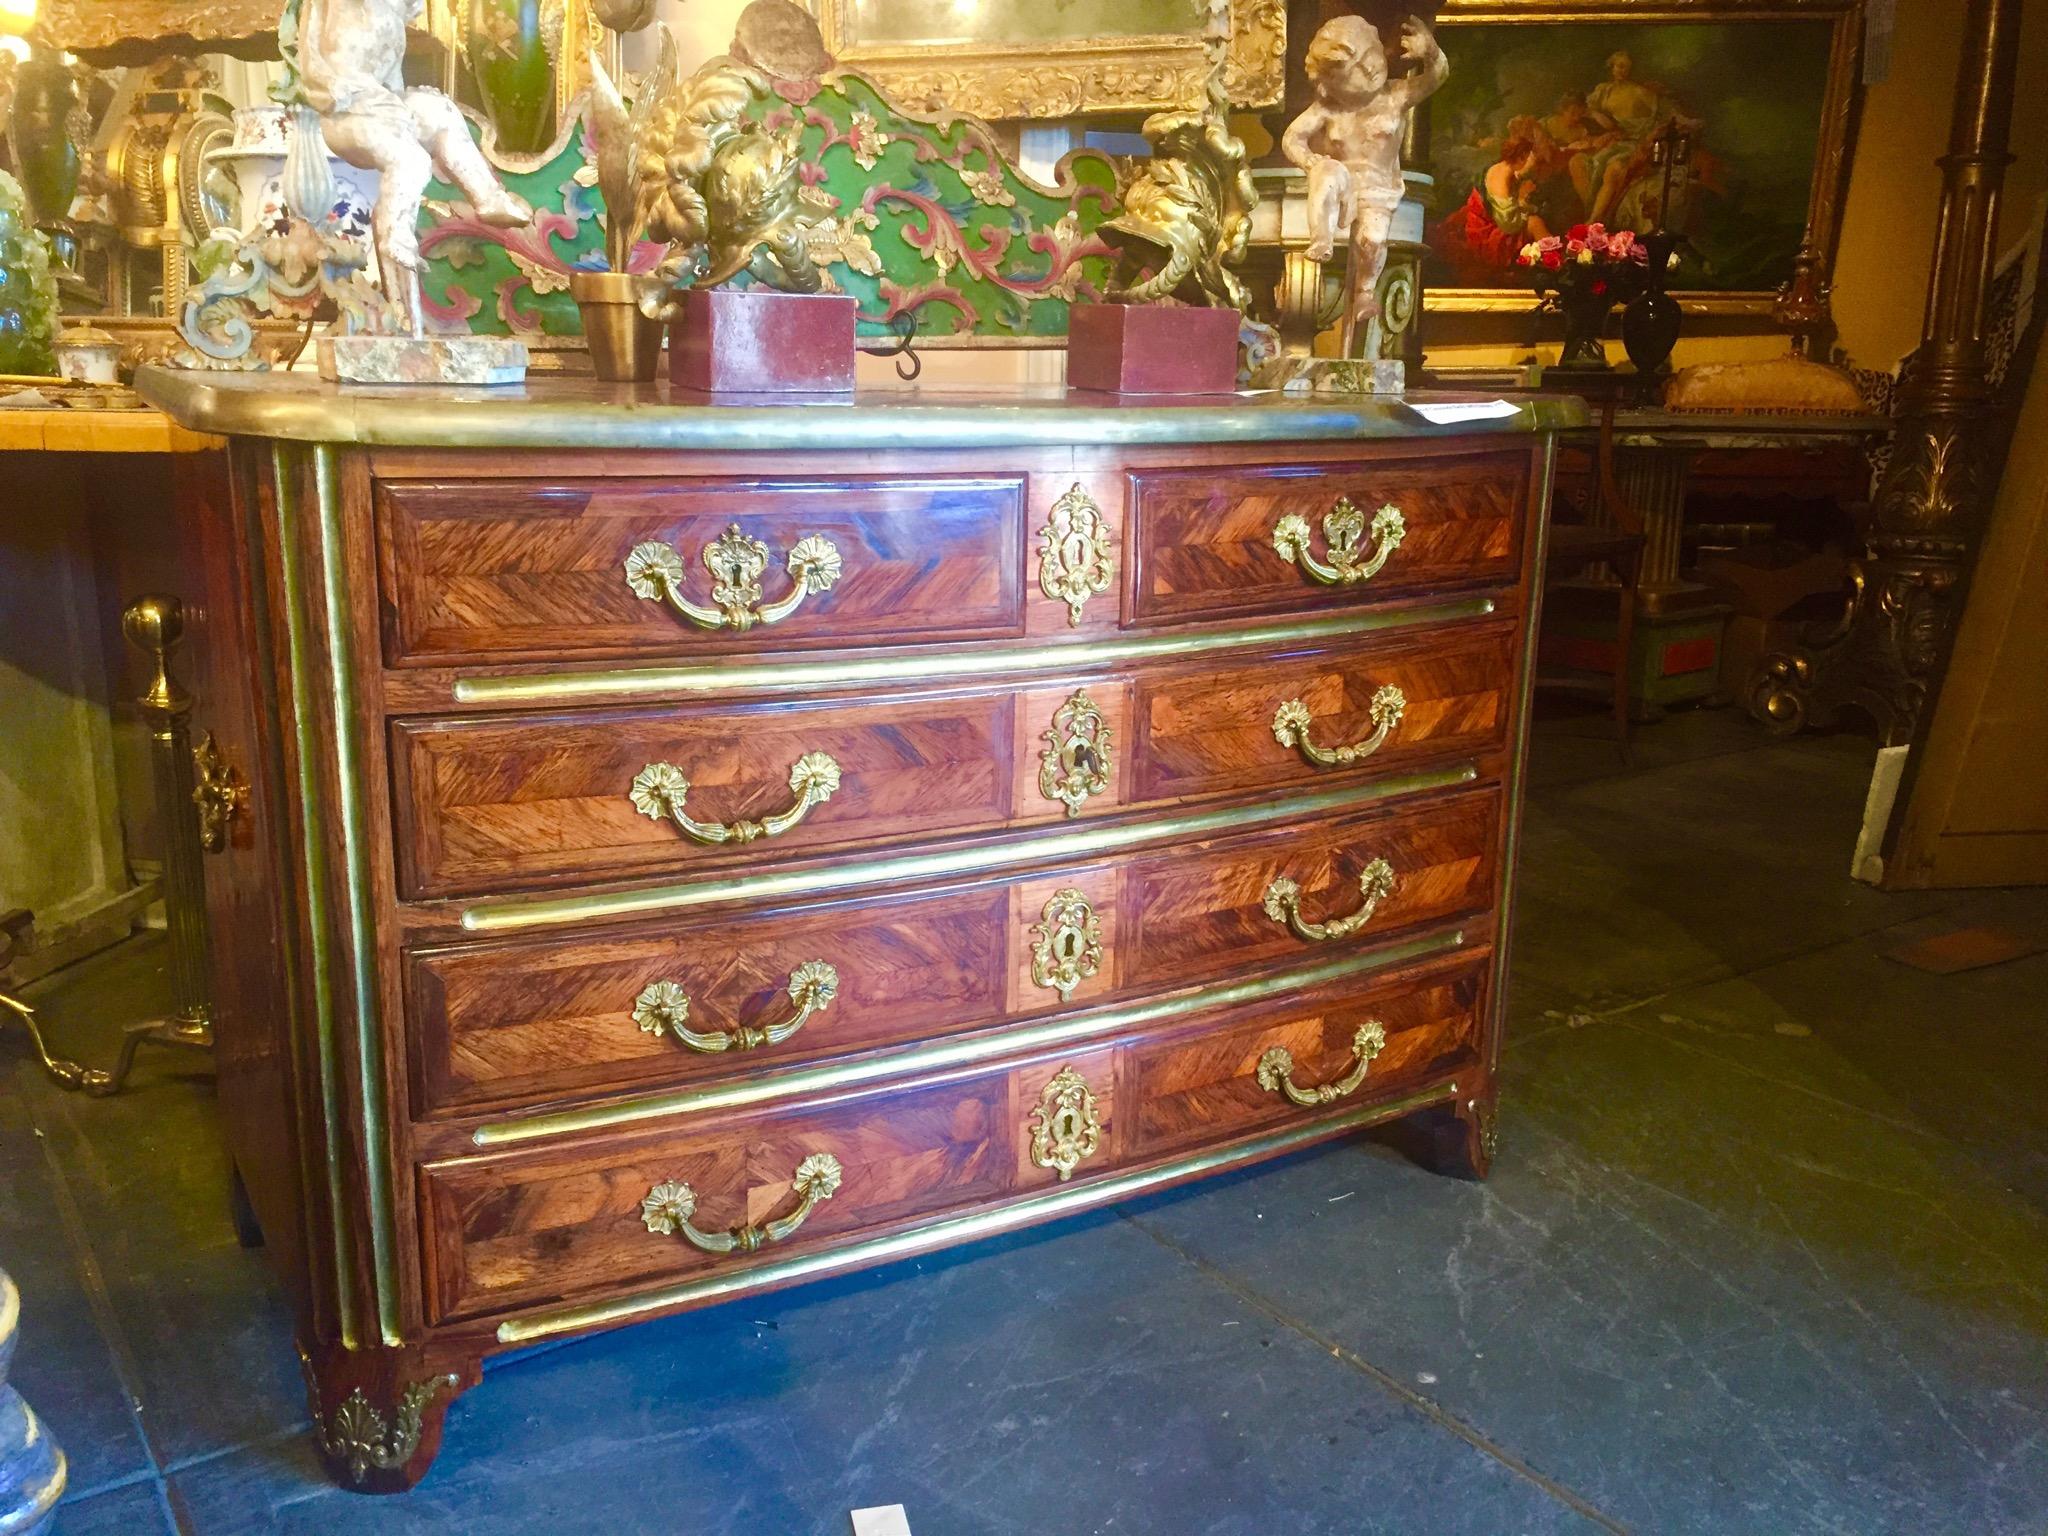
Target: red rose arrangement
[{"x": 1584, "y": 273}]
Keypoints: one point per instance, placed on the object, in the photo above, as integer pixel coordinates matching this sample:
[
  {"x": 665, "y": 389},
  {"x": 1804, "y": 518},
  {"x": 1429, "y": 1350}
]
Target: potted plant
[
  {"x": 1583, "y": 274},
  {"x": 625, "y": 340}
]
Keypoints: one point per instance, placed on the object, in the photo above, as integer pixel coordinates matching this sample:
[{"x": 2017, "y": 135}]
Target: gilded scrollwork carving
[
  {"x": 1347, "y": 559},
  {"x": 1076, "y": 552},
  {"x": 1068, "y": 1131},
  {"x": 359, "y": 1439},
  {"x": 1076, "y": 761},
  {"x": 1276, "y": 1069},
  {"x": 1282, "y": 903},
  {"x": 1066, "y": 947}
]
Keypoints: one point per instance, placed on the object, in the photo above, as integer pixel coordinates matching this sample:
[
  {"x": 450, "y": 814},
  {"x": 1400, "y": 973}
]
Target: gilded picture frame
[
  {"x": 997, "y": 76},
  {"x": 1837, "y": 30}
]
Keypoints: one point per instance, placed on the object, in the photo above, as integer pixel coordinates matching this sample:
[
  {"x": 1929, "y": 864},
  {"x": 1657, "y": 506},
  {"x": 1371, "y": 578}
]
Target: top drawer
[
  {"x": 1289, "y": 537},
  {"x": 503, "y": 570}
]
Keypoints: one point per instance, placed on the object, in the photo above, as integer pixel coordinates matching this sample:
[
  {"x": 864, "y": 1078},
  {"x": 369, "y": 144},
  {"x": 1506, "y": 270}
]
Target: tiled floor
[{"x": 1766, "y": 1250}]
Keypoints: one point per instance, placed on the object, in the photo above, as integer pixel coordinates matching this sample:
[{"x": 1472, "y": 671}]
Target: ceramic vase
[
  {"x": 509, "y": 58},
  {"x": 1651, "y": 321},
  {"x": 45, "y": 94},
  {"x": 1585, "y": 312}
]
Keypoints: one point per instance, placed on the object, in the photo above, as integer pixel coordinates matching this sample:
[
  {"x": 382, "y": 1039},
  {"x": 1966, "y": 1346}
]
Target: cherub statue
[
  {"x": 1349, "y": 142},
  {"x": 348, "y": 60}
]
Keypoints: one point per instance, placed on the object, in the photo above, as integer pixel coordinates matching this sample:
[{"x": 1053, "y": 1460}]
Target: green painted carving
[
  {"x": 916, "y": 217},
  {"x": 28, "y": 293}
]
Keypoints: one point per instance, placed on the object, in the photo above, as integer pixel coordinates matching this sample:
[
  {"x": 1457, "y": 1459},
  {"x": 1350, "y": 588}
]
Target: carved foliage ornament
[
  {"x": 1076, "y": 554},
  {"x": 1075, "y": 763},
  {"x": 357, "y": 1438},
  {"x": 1067, "y": 944},
  {"x": 1068, "y": 1131}
]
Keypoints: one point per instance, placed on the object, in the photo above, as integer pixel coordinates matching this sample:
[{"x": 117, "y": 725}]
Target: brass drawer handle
[
  {"x": 1343, "y": 527},
  {"x": 1276, "y": 1069},
  {"x": 664, "y": 1009},
  {"x": 1292, "y": 720},
  {"x": 735, "y": 560},
  {"x": 1283, "y": 904},
  {"x": 669, "y": 1206},
  {"x": 659, "y": 790}
]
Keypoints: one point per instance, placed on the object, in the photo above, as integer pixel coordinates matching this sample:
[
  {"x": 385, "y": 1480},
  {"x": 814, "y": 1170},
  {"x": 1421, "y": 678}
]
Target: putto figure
[
  {"x": 1349, "y": 142},
  {"x": 348, "y": 57}
]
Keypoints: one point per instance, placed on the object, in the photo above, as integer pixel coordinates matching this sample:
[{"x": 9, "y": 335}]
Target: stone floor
[{"x": 1766, "y": 1250}]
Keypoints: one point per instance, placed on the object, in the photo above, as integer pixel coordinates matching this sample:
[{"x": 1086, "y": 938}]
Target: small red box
[
  {"x": 757, "y": 341},
  {"x": 1152, "y": 349}
]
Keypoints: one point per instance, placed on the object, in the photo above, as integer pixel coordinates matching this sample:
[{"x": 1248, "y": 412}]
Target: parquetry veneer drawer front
[
  {"x": 1298, "y": 892},
  {"x": 1289, "y": 538},
  {"x": 1188, "y": 1089},
  {"x": 505, "y": 569},
  {"x": 521, "y": 1230},
  {"x": 1306, "y": 716},
  {"x": 561, "y": 1225},
  {"x": 503, "y": 1024},
  {"x": 504, "y": 802}
]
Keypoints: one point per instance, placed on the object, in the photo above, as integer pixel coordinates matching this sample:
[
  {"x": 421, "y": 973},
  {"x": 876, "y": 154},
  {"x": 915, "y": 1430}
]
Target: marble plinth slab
[{"x": 422, "y": 360}]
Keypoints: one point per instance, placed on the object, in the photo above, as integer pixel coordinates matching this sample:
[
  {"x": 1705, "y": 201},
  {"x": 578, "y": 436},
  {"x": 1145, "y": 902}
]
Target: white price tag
[
  {"x": 886, "y": 1520},
  {"x": 1448, "y": 413}
]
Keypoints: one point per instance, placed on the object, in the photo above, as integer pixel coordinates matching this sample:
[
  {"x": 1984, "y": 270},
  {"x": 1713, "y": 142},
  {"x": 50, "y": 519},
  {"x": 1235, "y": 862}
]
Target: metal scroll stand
[{"x": 198, "y": 795}]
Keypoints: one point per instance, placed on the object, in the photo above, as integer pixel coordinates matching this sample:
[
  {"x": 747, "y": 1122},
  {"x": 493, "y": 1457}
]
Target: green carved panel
[{"x": 916, "y": 218}]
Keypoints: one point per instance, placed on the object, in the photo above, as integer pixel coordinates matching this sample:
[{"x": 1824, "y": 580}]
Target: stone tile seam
[
  {"x": 99, "y": 1301},
  {"x": 1389, "y": 1383}
]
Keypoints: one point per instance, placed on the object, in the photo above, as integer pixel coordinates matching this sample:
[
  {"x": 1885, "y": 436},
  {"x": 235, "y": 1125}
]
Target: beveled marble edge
[{"x": 547, "y": 413}]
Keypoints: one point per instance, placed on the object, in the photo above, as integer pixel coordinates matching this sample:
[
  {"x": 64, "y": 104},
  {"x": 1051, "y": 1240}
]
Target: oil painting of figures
[{"x": 1548, "y": 125}]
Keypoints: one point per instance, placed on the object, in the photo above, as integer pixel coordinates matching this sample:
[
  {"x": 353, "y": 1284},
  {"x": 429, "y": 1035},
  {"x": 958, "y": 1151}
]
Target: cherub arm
[
  {"x": 1296, "y": 143},
  {"x": 1416, "y": 38}
]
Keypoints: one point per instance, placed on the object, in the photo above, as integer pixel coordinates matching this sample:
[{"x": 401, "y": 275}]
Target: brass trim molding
[
  {"x": 313, "y": 849},
  {"x": 362, "y": 955},
  {"x": 628, "y": 417},
  {"x": 795, "y": 674},
  {"x": 515, "y": 913},
  {"x": 1060, "y": 1200},
  {"x": 948, "y": 1054}
]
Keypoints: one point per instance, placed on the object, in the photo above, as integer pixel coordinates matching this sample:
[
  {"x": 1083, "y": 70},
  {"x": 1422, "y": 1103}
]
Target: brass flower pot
[{"x": 625, "y": 346}]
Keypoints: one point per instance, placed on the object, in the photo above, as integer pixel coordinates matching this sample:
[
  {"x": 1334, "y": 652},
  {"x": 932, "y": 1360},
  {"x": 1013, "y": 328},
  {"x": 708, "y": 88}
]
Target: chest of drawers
[{"x": 687, "y": 850}]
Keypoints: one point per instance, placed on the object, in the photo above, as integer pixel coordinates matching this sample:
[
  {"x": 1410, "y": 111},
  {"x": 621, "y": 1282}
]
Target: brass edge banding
[
  {"x": 1058, "y": 1201},
  {"x": 951, "y": 1054},
  {"x": 1518, "y": 760},
  {"x": 513, "y": 914},
  {"x": 792, "y": 673},
  {"x": 313, "y": 848},
  {"x": 355, "y": 862}
]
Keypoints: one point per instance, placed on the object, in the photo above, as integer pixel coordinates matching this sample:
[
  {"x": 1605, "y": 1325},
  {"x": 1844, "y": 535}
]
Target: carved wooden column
[{"x": 1937, "y": 488}]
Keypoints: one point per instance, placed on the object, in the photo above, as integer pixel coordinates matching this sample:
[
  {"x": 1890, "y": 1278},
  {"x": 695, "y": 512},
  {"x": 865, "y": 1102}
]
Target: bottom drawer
[{"x": 556, "y": 1225}]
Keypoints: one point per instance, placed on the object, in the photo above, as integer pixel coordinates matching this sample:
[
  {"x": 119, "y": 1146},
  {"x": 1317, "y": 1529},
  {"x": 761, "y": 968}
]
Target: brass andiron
[{"x": 155, "y": 624}]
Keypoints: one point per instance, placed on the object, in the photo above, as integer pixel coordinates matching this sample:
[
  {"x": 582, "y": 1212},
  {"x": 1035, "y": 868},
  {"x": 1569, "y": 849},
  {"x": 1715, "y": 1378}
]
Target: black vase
[{"x": 1651, "y": 320}]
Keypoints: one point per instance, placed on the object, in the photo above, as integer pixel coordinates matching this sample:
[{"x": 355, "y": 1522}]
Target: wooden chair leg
[{"x": 1624, "y": 656}]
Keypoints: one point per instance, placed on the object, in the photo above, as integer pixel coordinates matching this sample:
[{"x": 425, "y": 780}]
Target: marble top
[{"x": 556, "y": 412}]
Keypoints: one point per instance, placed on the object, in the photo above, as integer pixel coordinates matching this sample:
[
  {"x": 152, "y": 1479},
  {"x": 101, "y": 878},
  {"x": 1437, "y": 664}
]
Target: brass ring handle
[
  {"x": 1283, "y": 904},
  {"x": 659, "y": 790},
  {"x": 664, "y": 1009},
  {"x": 667, "y": 1210},
  {"x": 1292, "y": 720},
  {"x": 735, "y": 560},
  {"x": 1276, "y": 1069},
  {"x": 1343, "y": 527}
]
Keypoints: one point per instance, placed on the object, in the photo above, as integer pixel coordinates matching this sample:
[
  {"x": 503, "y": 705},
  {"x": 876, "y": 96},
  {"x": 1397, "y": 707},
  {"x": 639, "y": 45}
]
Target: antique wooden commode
[{"x": 677, "y": 850}]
